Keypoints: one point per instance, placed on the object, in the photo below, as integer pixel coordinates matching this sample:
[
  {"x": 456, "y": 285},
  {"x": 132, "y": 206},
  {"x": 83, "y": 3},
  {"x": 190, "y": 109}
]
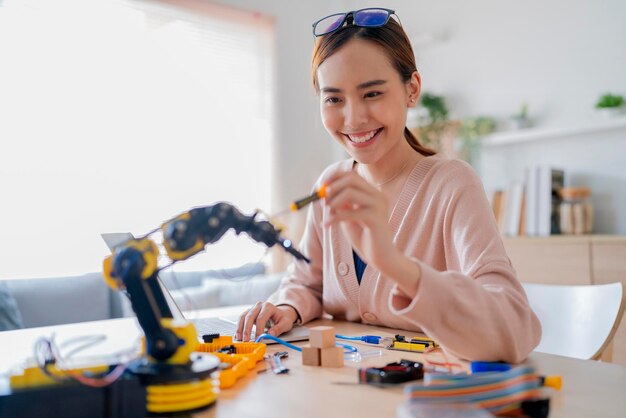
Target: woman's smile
[{"x": 363, "y": 139}]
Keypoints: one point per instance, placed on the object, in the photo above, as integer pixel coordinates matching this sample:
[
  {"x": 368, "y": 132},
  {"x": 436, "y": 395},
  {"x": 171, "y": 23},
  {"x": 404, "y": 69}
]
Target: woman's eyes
[
  {"x": 368, "y": 95},
  {"x": 371, "y": 94},
  {"x": 332, "y": 100}
]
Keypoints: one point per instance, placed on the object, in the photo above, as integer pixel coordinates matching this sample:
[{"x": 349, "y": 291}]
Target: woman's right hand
[{"x": 282, "y": 319}]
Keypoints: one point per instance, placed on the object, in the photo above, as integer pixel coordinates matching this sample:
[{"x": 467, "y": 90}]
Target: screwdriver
[
  {"x": 299, "y": 204},
  {"x": 305, "y": 201}
]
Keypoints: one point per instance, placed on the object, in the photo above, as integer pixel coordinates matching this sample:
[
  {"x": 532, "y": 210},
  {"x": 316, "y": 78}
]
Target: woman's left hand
[{"x": 362, "y": 211}]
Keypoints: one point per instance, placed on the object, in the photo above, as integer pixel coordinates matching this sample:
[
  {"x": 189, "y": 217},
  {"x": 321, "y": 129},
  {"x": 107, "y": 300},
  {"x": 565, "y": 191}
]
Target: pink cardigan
[{"x": 469, "y": 299}]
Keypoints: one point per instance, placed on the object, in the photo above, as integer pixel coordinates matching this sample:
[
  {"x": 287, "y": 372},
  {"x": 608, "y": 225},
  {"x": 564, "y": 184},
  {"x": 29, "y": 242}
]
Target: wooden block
[
  {"x": 332, "y": 357},
  {"x": 310, "y": 356},
  {"x": 322, "y": 337}
]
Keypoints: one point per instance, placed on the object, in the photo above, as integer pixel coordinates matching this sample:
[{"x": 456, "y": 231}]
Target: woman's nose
[{"x": 355, "y": 114}]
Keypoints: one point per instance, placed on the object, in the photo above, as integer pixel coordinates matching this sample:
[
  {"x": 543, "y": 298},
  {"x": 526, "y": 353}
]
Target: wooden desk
[{"x": 590, "y": 389}]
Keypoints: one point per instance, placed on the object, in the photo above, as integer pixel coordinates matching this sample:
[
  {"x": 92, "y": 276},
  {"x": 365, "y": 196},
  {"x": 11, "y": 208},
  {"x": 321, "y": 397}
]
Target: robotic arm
[
  {"x": 133, "y": 267},
  {"x": 188, "y": 233},
  {"x": 171, "y": 377}
]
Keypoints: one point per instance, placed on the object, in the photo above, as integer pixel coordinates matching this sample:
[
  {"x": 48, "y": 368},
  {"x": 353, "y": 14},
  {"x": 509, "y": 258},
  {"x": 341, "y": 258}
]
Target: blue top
[{"x": 359, "y": 266}]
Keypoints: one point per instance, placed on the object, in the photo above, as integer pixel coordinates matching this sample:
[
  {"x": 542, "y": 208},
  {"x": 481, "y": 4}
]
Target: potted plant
[
  {"x": 470, "y": 133},
  {"x": 521, "y": 119},
  {"x": 434, "y": 129},
  {"x": 610, "y": 105},
  {"x": 436, "y": 106}
]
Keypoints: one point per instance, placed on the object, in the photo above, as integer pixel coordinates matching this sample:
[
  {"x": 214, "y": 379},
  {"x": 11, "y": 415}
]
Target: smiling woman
[
  {"x": 117, "y": 115},
  {"x": 404, "y": 238}
]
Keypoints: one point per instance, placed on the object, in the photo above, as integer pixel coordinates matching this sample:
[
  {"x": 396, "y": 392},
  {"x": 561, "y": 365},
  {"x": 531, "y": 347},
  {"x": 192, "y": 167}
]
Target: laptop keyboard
[
  {"x": 215, "y": 326},
  {"x": 223, "y": 326}
]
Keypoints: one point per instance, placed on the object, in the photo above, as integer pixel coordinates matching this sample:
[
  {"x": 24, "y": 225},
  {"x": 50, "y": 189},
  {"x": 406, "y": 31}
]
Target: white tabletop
[{"x": 590, "y": 388}]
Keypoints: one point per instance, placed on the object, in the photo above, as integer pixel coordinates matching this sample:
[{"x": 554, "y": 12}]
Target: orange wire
[
  {"x": 98, "y": 382},
  {"x": 428, "y": 352}
]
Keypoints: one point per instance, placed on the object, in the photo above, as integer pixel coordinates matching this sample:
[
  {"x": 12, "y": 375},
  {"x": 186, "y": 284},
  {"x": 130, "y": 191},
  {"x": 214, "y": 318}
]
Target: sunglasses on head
[{"x": 368, "y": 18}]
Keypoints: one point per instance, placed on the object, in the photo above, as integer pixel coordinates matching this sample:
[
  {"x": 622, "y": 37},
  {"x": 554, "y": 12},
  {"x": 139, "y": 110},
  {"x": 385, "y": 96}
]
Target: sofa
[{"x": 63, "y": 300}]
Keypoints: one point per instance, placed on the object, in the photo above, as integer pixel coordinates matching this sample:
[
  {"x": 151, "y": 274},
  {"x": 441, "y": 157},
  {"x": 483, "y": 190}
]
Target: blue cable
[
  {"x": 350, "y": 348},
  {"x": 345, "y": 337},
  {"x": 370, "y": 339},
  {"x": 278, "y": 340}
]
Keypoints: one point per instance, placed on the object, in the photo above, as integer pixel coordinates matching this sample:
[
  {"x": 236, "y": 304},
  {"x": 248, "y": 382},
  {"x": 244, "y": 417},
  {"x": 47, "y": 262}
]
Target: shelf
[
  {"x": 535, "y": 134},
  {"x": 566, "y": 239}
]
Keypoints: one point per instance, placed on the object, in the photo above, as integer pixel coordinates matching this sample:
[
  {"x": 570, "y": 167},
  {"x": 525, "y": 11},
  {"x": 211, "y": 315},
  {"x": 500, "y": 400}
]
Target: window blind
[{"x": 117, "y": 115}]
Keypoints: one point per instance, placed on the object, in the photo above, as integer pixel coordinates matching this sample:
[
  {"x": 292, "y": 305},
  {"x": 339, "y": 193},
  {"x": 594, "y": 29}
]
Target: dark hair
[{"x": 394, "y": 42}]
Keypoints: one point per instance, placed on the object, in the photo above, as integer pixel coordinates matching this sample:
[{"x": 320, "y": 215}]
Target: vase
[
  {"x": 610, "y": 112},
  {"x": 520, "y": 122}
]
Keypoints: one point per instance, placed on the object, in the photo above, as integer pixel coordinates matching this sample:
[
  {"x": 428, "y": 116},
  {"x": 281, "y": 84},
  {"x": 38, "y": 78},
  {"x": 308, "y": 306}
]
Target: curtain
[{"x": 116, "y": 115}]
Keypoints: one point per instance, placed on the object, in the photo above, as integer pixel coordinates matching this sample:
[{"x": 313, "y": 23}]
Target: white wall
[
  {"x": 559, "y": 56},
  {"x": 486, "y": 57},
  {"x": 303, "y": 148}
]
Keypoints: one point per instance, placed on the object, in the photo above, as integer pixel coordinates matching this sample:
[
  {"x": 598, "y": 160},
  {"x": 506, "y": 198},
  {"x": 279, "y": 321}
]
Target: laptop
[{"x": 226, "y": 325}]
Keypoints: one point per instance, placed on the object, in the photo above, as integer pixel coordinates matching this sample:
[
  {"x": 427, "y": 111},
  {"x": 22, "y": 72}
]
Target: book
[
  {"x": 514, "y": 209},
  {"x": 522, "y": 218},
  {"x": 504, "y": 208},
  {"x": 531, "y": 194},
  {"x": 496, "y": 205},
  {"x": 550, "y": 181}
]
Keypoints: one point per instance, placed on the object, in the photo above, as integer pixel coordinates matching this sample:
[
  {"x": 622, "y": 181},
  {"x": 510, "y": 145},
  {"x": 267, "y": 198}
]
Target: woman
[{"x": 404, "y": 238}]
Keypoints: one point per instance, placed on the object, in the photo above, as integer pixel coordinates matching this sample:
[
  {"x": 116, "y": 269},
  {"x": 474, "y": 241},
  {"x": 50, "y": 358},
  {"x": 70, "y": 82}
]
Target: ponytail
[{"x": 415, "y": 144}]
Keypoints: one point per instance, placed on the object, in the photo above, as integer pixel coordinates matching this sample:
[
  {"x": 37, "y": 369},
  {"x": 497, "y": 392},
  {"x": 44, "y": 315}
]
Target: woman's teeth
[{"x": 363, "y": 138}]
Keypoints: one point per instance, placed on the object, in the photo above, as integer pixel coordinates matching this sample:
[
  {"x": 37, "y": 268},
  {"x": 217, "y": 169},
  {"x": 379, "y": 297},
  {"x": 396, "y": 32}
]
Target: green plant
[
  {"x": 436, "y": 106},
  {"x": 474, "y": 128},
  {"x": 433, "y": 124},
  {"x": 609, "y": 101},
  {"x": 523, "y": 111},
  {"x": 471, "y": 130}
]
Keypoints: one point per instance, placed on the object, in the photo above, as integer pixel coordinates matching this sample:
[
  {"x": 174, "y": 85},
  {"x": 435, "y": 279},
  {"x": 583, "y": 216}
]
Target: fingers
[
  {"x": 265, "y": 315},
  {"x": 351, "y": 198},
  {"x": 343, "y": 180},
  {"x": 249, "y": 320},
  {"x": 358, "y": 206},
  {"x": 357, "y": 217},
  {"x": 284, "y": 320},
  {"x": 351, "y": 191},
  {"x": 258, "y": 316},
  {"x": 283, "y": 325},
  {"x": 240, "y": 325},
  {"x": 266, "y": 312}
]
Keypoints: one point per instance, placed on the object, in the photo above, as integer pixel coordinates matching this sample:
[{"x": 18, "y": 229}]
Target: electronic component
[
  {"x": 229, "y": 349},
  {"x": 415, "y": 344},
  {"x": 275, "y": 364},
  {"x": 392, "y": 373}
]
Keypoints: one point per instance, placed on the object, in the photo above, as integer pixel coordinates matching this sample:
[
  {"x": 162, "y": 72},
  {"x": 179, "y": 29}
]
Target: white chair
[{"x": 577, "y": 321}]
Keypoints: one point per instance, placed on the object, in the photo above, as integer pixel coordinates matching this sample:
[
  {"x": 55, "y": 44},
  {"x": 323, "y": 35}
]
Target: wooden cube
[
  {"x": 310, "y": 356},
  {"x": 332, "y": 357},
  {"x": 322, "y": 337}
]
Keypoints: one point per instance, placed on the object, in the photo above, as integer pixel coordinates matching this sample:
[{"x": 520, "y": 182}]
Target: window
[{"x": 118, "y": 115}]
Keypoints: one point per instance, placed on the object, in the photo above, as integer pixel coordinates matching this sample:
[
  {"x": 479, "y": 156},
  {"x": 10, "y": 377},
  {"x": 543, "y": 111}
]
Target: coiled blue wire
[
  {"x": 278, "y": 340},
  {"x": 349, "y": 348},
  {"x": 370, "y": 339}
]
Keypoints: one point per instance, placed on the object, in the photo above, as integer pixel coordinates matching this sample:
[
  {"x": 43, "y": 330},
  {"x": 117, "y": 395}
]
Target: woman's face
[{"x": 363, "y": 102}]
